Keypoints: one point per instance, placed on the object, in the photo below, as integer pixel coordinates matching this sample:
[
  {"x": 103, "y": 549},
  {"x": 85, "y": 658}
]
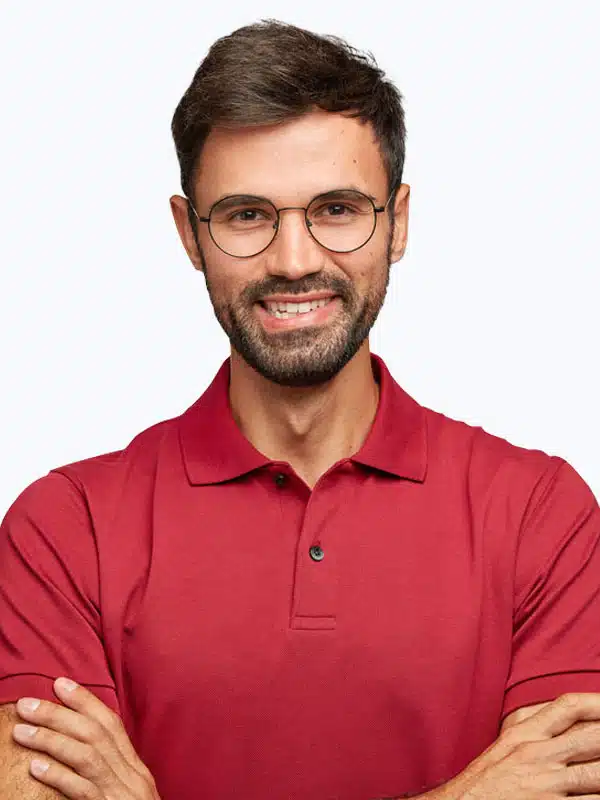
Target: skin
[{"x": 314, "y": 425}]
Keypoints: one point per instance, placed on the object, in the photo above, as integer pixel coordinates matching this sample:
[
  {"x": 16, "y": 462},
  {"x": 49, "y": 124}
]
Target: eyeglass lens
[{"x": 341, "y": 221}]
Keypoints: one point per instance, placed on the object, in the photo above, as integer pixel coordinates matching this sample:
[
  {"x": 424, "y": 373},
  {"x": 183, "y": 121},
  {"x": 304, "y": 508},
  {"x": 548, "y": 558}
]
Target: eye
[
  {"x": 247, "y": 215},
  {"x": 335, "y": 210}
]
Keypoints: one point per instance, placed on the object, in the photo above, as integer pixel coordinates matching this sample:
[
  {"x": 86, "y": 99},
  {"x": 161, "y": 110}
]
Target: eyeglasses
[{"x": 243, "y": 226}]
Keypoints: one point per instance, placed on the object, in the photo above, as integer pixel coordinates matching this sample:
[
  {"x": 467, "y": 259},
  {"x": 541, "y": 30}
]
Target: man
[{"x": 306, "y": 586}]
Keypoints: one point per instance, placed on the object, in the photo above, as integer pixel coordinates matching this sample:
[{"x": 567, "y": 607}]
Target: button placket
[{"x": 316, "y": 579}]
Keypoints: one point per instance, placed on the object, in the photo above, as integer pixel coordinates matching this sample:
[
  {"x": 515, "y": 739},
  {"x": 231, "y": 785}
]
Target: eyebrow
[{"x": 242, "y": 197}]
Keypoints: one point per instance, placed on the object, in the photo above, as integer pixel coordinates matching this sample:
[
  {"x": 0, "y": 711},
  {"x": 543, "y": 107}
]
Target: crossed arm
[
  {"x": 550, "y": 750},
  {"x": 84, "y": 745}
]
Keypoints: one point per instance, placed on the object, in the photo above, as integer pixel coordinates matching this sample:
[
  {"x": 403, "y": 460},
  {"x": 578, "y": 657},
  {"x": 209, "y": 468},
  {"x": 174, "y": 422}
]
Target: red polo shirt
[{"x": 262, "y": 640}]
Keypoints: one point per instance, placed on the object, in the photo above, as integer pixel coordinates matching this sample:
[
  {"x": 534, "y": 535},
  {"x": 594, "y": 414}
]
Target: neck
[{"x": 310, "y": 428}]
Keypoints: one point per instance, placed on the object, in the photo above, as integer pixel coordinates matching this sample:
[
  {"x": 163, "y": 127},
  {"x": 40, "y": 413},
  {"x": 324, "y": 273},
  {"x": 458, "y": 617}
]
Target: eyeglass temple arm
[
  {"x": 383, "y": 208},
  {"x": 198, "y": 217}
]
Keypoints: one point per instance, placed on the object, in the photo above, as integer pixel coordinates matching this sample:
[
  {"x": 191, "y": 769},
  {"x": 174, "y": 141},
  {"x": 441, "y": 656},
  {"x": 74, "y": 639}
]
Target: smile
[
  {"x": 284, "y": 315},
  {"x": 286, "y": 310}
]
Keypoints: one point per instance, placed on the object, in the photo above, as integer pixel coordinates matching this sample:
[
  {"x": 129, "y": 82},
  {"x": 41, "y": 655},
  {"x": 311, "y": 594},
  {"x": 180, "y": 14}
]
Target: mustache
[{"x": 259, "y": 289}]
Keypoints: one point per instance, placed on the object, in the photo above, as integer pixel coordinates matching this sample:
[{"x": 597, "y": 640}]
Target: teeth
[{"x": 287, "y": 310}]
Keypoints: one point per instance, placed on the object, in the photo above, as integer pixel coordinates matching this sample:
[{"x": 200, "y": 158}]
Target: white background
[{"x": 492, "y": 316}]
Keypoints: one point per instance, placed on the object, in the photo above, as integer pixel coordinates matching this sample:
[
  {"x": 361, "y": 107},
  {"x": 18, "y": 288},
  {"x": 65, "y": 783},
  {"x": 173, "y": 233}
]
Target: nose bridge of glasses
[
  {"x": 303, "y": 252},
  {"x": 292, "y": 208}
]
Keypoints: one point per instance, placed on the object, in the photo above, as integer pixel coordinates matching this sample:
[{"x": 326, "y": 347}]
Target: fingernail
[
  {"x": 66, "y": 684},
  {"x": 28, "y": 704},
  {"x": 39, "y": 767},
  {"x": 25, "y": 730}
]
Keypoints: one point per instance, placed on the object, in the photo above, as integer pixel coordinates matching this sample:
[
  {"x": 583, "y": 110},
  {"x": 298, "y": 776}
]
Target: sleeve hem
[
  {"x": 12, "y": 687},
  {"x": 547, "y": 688}
]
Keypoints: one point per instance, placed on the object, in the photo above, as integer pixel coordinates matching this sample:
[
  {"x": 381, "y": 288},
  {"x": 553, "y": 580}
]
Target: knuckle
[
  {"x": 94, "y": 732},
  {"x": 92, "y": 761},
  {"x": 521, "y": 714},
  {"x": 526, "y": 752},
  {"x": 570, "y": 701},
  {"x": 114, "y": 723},
  {"x": 511, "y": 738}
]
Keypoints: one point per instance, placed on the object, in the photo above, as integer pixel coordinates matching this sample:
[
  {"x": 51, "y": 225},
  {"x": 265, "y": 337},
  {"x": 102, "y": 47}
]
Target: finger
[
  {"x": 581, "y": 779},
  {"x": 559, "y": 715},
  {"x": 84, "y": 759},
  {"x": 71, "y": 725},
  {"x": 579, "y": 744},
  {"x": 68, "y": 783},
  {"x": 85, "y": 702},
  {"x": 77, "y": 727},
  {"x": 58, "y": 718}
]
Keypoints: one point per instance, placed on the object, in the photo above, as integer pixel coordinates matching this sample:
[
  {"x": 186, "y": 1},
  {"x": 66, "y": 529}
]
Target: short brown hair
[{"x": 272, "y": 71}]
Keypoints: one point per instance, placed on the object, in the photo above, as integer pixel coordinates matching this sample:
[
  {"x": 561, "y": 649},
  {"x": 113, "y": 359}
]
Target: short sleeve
[
  {"x": 50, "y": 620},
  {"x": 556, "y": 635}
]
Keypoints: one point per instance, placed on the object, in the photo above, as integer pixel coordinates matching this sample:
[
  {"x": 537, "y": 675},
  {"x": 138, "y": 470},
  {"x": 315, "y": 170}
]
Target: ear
[
  {"x": 179, "y": 208},
  {"x": 400, "y": 235}
]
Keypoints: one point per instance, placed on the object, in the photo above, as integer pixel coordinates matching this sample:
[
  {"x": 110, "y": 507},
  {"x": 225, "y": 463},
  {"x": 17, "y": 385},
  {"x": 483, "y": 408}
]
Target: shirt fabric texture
[{"x": 262, "y": 640}]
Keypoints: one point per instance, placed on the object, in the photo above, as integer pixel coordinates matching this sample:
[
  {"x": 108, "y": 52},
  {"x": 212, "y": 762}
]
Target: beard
[{"x": 311, "y": 355}]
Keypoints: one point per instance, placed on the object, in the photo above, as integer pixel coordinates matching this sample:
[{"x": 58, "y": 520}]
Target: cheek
[
  {"x": 366, "y": 266},
  {"x": 228, "y": 280},
  {"x": 220, "y": 285},
  {"x": 222, "y": 271}
]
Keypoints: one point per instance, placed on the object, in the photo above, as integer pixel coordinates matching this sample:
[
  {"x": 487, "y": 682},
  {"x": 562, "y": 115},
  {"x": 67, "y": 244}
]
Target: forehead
[{"x": 291, "y": 161}]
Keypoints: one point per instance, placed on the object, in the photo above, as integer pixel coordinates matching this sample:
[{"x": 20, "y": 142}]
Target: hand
[
  {"x": 554, "y": 753},
  {"x": 92, "y": 756}
]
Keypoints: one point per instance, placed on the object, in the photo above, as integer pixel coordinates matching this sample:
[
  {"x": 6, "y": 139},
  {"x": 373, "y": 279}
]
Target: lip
[
  {"x": 297, "y": 298},
  {"x": 316, "y": 318}
]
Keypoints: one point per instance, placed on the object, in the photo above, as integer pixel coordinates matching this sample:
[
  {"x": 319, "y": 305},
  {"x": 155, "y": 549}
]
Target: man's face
[{"x": 290, "y": 164}]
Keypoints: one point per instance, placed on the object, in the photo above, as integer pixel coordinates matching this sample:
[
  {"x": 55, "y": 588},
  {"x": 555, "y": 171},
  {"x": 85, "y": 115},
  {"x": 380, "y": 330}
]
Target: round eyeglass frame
[{"x": 376, "y": 210}]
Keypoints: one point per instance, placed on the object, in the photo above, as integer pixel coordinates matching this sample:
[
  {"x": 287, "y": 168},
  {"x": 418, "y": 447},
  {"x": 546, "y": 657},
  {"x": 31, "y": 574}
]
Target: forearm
[
  {"x": 15, "y": 781},
  {"x": 450, "y": 791}
]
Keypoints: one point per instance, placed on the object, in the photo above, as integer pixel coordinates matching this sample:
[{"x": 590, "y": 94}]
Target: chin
[{"x": 298, "y": 373}]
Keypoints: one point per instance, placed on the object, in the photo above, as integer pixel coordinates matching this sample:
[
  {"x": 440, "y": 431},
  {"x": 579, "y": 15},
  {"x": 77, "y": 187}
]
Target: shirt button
[
  {"x": 280, "y": 479},
  {"x": 316, "y": 553}
]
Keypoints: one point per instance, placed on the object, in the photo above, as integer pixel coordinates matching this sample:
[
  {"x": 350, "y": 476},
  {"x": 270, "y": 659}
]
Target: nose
[{"x": 294, "y": 253}]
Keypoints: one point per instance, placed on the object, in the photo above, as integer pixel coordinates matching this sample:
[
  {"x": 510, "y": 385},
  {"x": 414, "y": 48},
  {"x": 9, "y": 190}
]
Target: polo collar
[{"x": 214, "y": 449}]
